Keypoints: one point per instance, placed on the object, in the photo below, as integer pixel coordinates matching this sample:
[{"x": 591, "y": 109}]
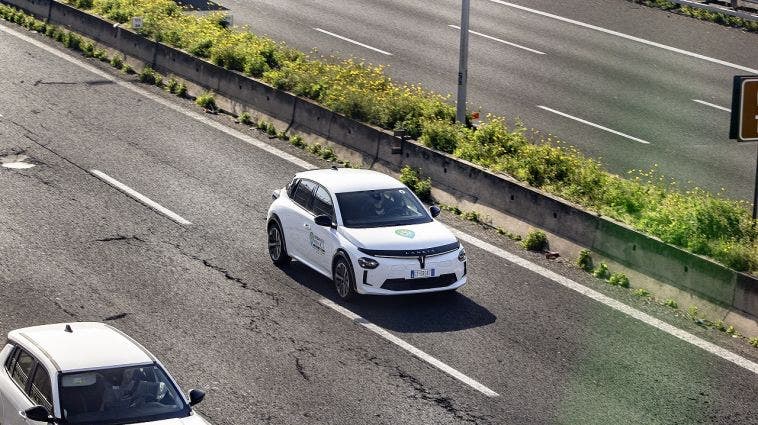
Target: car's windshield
[
  {"x": 120, "y": 396},
  {"x": 381, "y": 208}
]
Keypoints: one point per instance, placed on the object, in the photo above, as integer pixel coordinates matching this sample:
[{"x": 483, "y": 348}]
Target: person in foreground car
[
  {"x": 366, "y": 231},
  {"x": 87, "y": 373}
]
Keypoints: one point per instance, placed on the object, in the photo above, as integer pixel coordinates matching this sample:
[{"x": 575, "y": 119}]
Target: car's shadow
[{"x": 434, "y": 312}]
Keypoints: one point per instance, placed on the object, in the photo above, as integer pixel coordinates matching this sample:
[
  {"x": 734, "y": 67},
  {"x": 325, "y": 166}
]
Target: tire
[
  {"x": 344, "y": 279},
  {"x": 277, "y": 248}
]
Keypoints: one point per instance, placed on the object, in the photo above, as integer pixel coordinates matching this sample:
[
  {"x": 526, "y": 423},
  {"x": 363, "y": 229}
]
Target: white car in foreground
[
  {"x": 366, "y": 231},
  {"x": 87, "y": 373}
]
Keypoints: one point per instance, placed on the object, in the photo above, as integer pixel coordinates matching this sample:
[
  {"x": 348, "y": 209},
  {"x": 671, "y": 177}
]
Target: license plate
[{"x": 418, "y": 274}]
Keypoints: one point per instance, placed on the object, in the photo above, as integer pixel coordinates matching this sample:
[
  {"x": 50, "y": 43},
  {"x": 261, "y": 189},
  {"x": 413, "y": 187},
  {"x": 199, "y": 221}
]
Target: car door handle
[{"x": 307, "y": 226}]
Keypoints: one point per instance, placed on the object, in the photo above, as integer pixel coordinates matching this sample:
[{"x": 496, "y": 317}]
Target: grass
[
  {"x": 701, "y": 222},
  {"x": 702, "y": 14},
  {"x": 411, "y": 177},
  {"x": 535, "y": 240},
  {"x": 207, "y": 101},
  {"x": 585, "y": 260},
  {"x": 601, "y": 272}
]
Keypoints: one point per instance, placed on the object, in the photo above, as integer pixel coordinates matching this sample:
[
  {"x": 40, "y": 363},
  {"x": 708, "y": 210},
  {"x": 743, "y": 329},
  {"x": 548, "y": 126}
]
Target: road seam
[
  {"x": 592, "y": 124},
  {"x": 500, "y": 40},
  {"x": 140, "y": 197},
  {"x": 358, "y": 320},
  {"x": 627, "y": 36}
]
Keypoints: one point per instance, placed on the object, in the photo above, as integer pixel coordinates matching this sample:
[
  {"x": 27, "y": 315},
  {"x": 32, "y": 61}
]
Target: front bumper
[{"x": 393, "y": 275}]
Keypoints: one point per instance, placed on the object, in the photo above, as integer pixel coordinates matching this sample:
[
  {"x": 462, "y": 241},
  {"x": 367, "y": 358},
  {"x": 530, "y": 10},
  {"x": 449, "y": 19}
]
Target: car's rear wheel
[
  {"x": 344, "y": 280},
  {"x": 277, "y": 249}
]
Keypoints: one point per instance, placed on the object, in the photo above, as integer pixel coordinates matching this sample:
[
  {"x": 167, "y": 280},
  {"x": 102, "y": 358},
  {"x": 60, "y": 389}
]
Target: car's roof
[
  {"x": 89, "y": 345},
  {"x": 350, "y": 179}
]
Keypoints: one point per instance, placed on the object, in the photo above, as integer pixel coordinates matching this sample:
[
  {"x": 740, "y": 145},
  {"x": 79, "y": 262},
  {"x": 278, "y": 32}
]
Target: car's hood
[
  {"x": 195, "y": 419},
  {"x": 416, "y": 236}
]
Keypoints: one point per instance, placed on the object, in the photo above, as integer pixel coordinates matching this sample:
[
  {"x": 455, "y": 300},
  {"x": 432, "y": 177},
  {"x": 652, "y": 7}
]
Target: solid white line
[
  {"x": 610, "y": 302},
  {"x": 158, "y": 99},
  {"x": 628, "y": 37},
  {"x": 408, "y": 347},
  {"x": 499, "y": 40},
  {"x": 140, "y": 197},
  {"x": 353, "y": 41},
  {"x": 712, "y": 105},
  {"x": 593, "y": 124}
]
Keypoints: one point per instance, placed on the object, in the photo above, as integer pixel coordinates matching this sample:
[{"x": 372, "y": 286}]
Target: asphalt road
[
  {"x": 205, "y": 299},
  {"x": 640, "y": 90}
]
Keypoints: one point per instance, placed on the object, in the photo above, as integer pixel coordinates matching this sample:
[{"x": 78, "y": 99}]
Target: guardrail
[
  {"x": 500, "y": 192},
  {"x": 732, "y": 9}
]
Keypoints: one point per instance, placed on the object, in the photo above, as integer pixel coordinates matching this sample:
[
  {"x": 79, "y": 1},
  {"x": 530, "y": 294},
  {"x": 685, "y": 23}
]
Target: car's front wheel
[
  {"x": 277, "y": 249},
  {"x": 344, "y": 280}
]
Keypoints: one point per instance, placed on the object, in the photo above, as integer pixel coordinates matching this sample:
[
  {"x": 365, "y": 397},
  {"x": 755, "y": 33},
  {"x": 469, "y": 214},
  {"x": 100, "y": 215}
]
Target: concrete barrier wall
[{"x": 613, "y": 240}]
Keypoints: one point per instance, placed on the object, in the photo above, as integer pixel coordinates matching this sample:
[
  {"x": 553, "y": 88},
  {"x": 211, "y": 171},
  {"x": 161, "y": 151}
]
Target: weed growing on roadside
[
  {"x": 601, "y": 272},
  {"x": 535, "y": 240},
  {"x": 147, "y": 75},
  {"x": 585, "y": 260},
  {"x": 181, "y": 89},
  {"x": 207, "y": 101},
  {"x": 171, "y": 85},
  {"x": 88, "y": 49},
  {"x": 754, "y": 341},
  {"x": 411, "y": 177},
  {"x": 670, "y": 303},
  {"x": 297, "y": 141},
  {"x": 117, "y": 61},
  {"x": 127, "y": 69},
  {"x": 692, "y": 312},
  {"x": 472, "y": 216},
  {"x": 619, "y": 279},
  {"x": 245, "y": 118},
  {"x": 641, "y": 292},
  {"x": 101, "y": 54}
]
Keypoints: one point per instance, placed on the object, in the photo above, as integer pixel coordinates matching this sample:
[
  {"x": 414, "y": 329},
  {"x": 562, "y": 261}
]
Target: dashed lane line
[
  {"x": 350, "y": 40},
  {"x": 489, "y": 37},
  {"x": 592, "y": 124}
]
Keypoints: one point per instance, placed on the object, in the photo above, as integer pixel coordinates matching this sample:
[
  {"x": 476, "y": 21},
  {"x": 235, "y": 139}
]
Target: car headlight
[
  {"x": 368, "y": 263},
  {"x": 462, "y": 255}
]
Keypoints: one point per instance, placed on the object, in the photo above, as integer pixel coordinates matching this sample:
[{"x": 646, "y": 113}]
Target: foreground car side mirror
[
  {"x": 37, "y": 414},
  {"x": 275, "y": 194},
  {"x": 324, "y": 220},
  {"x": 196, "y": 396},
  {"x": 435, "y": 210}
]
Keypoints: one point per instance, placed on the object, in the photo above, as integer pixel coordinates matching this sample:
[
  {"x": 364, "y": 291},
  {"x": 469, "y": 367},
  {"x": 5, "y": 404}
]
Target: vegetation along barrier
[{"x": 331, "y": 99}]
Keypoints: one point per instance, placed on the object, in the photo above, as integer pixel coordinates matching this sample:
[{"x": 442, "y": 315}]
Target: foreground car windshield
[
  {"x": 381, "y": 208},
  {"x": 119, "y": 396}
]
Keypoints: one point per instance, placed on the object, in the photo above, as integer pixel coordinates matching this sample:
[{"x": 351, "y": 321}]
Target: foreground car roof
[
  {"x": 350, "y": 179},
  {"x": 90, "y": 345}
]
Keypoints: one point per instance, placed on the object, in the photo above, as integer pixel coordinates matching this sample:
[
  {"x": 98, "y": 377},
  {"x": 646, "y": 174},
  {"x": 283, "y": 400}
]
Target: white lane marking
[
  {"x": 350, "y": 40},
  {"x": 174, "y": 107},
  {"x": 408, "y": 347},
  {"x": 592, "y": 124},
  {"x": 610, "y": 302},
  {"x": 628, "y": 37},
  {"x": 499, "y": 40},
  {"x": 140, "y": 197},
  {"x": 711, "y": 348},
  {"x": 712, "y": 105}
]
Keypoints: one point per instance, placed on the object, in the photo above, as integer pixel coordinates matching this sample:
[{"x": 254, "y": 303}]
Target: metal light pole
[{"x": 460, "y": 114}]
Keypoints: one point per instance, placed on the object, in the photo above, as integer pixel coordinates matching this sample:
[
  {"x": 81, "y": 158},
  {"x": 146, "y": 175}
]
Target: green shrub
[
  {"x": 207, "y": 101},
  {"x": 472, "y": 216},
  {"x": 127, "y": 69},
  {"x": 585, "y": 260},
  {"x": 670, "y": 303},
  {"x": 641, "y": 292},
  {"x": 271, "y": 131},
  {"x": 441, "y": 135},
  {"x": 619, "y": 279},
  {"x": 101, "y": 54},
  {"x": 327, "y": 153},
  {"x": 536, "y": 240},
  {"x": 117, "y": 61},
  {"x": 602, "y": 271},
  {"x": 88, "y": 49},
  {"x": 411, "y": 177},
  {"x": 181, "y": 89},
  {"x": 297, "y": 141},
  {"x": 245, "y": 118},
  {"x": 147, "y": 75},
  {"x": 171, "y": 85},
  {"x": 754, "y": 341}
]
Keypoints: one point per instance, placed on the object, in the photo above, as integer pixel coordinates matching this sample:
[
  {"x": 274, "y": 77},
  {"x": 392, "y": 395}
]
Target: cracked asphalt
[{"x": 206, "y": 300}]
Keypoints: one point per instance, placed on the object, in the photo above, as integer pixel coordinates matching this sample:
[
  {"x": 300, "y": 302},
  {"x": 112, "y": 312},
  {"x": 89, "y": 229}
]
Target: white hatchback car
[
  {"x": 87, "y": 373},
  {"x": 366, "y": 231}
]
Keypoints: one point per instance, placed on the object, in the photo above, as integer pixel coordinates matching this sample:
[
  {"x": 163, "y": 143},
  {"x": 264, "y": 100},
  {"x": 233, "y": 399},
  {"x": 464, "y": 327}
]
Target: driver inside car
[{"x": 120, "y": 390}]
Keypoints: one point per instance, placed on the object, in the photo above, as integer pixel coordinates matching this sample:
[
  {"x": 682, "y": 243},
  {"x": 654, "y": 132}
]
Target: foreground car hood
[
  {"x": 417, "y": 236},
  {"x": 195, "y": 419}
]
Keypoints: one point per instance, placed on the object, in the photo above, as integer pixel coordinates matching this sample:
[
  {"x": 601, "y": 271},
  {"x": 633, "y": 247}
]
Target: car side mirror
[
  {"x": 324, "y": 220},
  {"x": 37, "y": 414},
  {"x": 435, "y": 210},
  {"x": 275, "y": 194},
  {"x": 196, "y": 396}
]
